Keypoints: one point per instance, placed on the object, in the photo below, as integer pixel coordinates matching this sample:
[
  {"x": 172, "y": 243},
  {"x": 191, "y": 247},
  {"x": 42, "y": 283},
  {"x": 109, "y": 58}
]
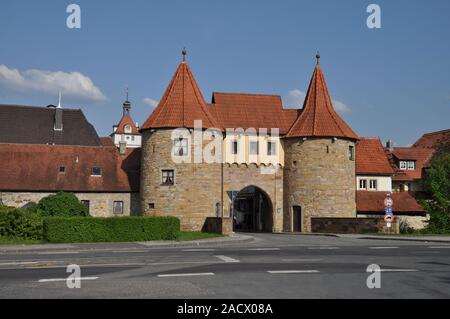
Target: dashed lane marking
[
  {"x": 64, "y": 279},
  {"x": 227, "y": 259},
  {"x": 187, "y": 274},
  {"x": 274, "y": 272},
  {"x": 264, "y": 249},
  {"x": 384, "y": 247},
  {"x": 199, "y": 249}
]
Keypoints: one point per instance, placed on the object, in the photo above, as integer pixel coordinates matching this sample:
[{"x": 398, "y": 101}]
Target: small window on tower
[
  {"x": 127, "y": 128},
  {"x": 62, "y": 169},
  {"x": 181, "y": 147},
  {"x": 168, "y": 177},
  {"x": 234, "y": 147},
  {"x": 271, "y": 148},
  {"x": 351, "y": 153}
]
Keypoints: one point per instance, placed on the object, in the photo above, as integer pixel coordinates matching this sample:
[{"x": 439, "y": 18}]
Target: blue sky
[{"x": 392, "y": 82}]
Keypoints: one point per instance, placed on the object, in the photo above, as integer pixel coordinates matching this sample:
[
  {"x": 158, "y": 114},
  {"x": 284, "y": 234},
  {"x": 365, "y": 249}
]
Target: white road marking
[
  {"x": 439, "y": 247},
  {"x": 227, "y": 259},
  {"x": 58, "y": 252},
  {"x": 385, "y": 247},
  {"x": 187, "y": 275},
  {"x": 397, "y": 270},
  {"x": 183, "y": 262},
  {"x": 199, "y": 249},
  {"x": 323, "y": 247},
  {"x": 301, "y": 260},
  {"x": 293, "y": 271},
  {"x": 64, "y": 279},
  {"x": 129, "y": 251},
  {"x": 262, "y": 249}
]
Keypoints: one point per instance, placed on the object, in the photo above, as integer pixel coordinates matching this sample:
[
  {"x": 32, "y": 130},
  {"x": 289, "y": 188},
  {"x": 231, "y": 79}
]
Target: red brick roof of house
[
  {"x": 181, "y": 104},
  {"x": 124, "y": 121},
  {"x": 373, "y": 202},
  {"x": 238, "y": 110},
  {"x": 106, "y": 141},
  {"x": 30, "y": 167},
  {"x": 422, "y": 157},
  {"x": 371, "y": 158},
  {"x": 435, "y": 140},
  {"x": 318, "y": 118}
]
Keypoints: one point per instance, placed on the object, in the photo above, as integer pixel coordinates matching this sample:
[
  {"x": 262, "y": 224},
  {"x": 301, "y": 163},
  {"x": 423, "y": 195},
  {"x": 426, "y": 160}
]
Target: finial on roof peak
[
  {"x": 183, "y": 52},
  {"x": 59, "y": 100},
  {"x": 318, "y": 57}
]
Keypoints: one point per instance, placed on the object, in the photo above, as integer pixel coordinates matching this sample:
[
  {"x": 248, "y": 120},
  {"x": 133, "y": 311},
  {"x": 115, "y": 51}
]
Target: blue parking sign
[{"x": 388, "y": 210}]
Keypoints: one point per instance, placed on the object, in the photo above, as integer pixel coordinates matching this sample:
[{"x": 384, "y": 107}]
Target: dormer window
[
  {"x": 407, "y": 165},
  {"x": 96, "y": 171},
  {"x": 127, "y": 128}
]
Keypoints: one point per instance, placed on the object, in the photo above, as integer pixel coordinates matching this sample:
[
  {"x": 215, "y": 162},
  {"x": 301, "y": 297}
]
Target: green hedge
[
  {"x": 19, "y": 223},
  {"x": 61, "y": 205},
  {"x": 112, "y": 229}
]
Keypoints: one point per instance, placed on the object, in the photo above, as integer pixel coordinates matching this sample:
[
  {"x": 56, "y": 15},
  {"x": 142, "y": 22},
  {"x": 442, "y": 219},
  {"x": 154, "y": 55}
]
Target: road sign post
[{"x": 388, "y": 215}]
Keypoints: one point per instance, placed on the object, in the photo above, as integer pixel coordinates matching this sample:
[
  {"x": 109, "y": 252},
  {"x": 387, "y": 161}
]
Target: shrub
[
  {"x": 18, "y": 223},
  {"x": 112, "y": 229},
  {"x": 61, "y": 205}
]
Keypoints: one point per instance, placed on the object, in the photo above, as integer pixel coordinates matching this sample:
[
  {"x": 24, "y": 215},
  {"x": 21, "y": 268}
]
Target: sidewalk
[
  {"x": 80, "y": 247},
  {"x": 435, "y": 239}
]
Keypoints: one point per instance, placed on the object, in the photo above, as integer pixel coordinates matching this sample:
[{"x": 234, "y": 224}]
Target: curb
[
  {"x": 83, "y": 247},
  {"x": 427, "y": 240}
]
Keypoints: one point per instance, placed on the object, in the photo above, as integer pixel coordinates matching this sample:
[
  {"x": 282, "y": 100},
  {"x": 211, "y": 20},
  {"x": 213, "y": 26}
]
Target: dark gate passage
[{"x": 252, "y": 210}]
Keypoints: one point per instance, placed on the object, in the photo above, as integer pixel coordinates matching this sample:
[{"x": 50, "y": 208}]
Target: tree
[
  {"x": 62, "y": 205},
  {"x": 437, "y": 187}
]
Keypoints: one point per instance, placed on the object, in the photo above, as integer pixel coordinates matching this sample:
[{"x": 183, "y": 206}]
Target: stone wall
[
  {"x": 320, "y": 178},
  {"x": 353, "y": 225},
  {"x": 100, "y": 204},
  {"x": 266, "y": 178},
  {"x": 196, "y": 193},
  {"x": 218, "y": 225}
]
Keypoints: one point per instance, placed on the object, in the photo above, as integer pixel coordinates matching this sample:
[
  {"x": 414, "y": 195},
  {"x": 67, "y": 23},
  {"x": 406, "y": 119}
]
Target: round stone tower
[
  {"x": 319, "y": 173},
  {"x": 175, "y": 181}
]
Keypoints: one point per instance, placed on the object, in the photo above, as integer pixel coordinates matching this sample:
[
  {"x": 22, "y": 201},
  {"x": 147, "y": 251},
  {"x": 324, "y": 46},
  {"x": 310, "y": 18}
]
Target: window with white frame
[
  {"x": 271, "y": 148},
  {"x": 127, "y": 128},
  {"x": 363, "y": 184},
  {"x": 254, "y": 148},
  {"x": 411, "y": 165},
  {"x": 181, "y": 146},
  {"x": 373, "y": 184},
  {"x": 403, "y": 165},
  {"x": 351, "y": 153}
]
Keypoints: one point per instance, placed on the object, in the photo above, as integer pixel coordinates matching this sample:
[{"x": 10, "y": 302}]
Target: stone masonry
[{"x": 320, "y": 178}]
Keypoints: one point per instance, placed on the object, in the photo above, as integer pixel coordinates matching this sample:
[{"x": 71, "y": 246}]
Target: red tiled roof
[
  {"x": 126, "y": 120},
  {"x": 181, "y": 104},
  {"x": 27, "y": 167},
  {"x": 319, "y": 117},
  {"x": 373, "y": 202},
  {"x": 237, "y": 110},
  {"x": 421, "y": 156},
  {"x": 434, "y": 140},
  {"x": 106, "y": 141},
  {"x": 371, "y": 158}
]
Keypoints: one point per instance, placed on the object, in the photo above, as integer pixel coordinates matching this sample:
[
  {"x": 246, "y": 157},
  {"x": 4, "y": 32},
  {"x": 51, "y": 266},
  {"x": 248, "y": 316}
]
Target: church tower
[
  {"x": 126, "y": 133},
  {"x": 319, "y": 172}
]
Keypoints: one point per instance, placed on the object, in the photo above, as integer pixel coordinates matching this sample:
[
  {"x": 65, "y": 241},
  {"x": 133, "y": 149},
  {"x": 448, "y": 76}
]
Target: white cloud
[
  {"x": 341, "y": 107},
  {"x": 296, "y": 97},
  {"x": 71, "y": 84},
  {"x": 150, "y": 101}
]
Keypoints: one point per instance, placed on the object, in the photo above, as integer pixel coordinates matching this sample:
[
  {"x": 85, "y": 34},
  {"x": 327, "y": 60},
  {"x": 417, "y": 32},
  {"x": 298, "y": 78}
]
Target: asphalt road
[{"x": 272, "y": 266}]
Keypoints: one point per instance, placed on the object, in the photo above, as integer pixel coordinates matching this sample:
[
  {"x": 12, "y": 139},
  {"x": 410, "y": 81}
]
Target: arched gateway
[{"x": 252, "y": 210}]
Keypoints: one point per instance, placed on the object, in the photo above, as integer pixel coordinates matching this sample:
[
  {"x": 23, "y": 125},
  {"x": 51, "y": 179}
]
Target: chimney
[
  {"x": 122, "y": 148},
  {"x": 390, "y": 145},
  {"x": 58, "y": 126},
  {"x": 137, "y": 124}
]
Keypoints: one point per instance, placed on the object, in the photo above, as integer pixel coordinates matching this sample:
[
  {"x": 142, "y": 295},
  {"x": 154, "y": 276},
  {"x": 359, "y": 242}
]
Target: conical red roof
[
  {"x": 318, "y": 118},
  {"x": 181, "y": 104},
  {"x": 124, "y": 121}
]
